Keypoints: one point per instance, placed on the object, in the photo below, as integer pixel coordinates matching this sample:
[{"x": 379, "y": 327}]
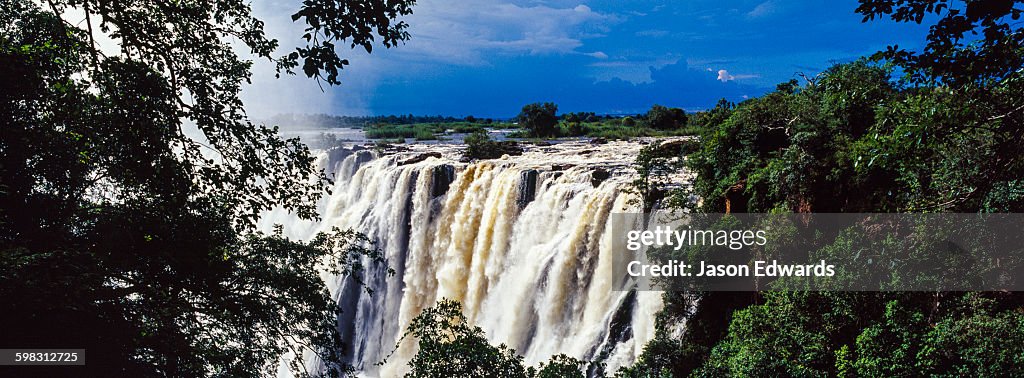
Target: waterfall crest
[{"x": 522, "y": 242}]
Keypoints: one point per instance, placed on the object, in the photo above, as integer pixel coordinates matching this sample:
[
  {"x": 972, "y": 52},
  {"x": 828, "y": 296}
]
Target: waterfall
[{"x": 522, "y": 242}]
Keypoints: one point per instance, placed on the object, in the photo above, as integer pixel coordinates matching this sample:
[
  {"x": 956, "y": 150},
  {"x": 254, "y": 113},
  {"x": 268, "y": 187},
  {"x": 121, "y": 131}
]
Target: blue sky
[{"x": 489, "y": 57}]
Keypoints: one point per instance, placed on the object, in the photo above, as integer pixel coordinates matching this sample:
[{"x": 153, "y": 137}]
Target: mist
[{"x": 268, "y": 95}]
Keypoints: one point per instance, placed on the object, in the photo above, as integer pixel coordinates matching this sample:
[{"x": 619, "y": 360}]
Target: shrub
[{"x": 479, "y": 145}]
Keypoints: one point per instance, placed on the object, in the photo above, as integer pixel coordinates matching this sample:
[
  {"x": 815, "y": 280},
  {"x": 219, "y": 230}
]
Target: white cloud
[
  {"x": 724, "y": 76},
  {"x": 766, "y": 8},
  {"x": 652, "y": 33},
  {"x": 470, "y": 31}
]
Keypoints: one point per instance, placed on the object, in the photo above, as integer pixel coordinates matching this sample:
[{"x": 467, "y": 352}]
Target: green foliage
[
  {"x": 947, "y": 139},
  {"x": 417, "y": 131},
  {"x": 953, "y": 54},
  {"x": 580, "y": 117},
  {"x": 420, "y": 131},
  {"x": 606, "y": 127},
  {"x": 610, "y": 130},
  {"x": 466, "y": 127},
  {"x": 806, "y": 149},
  {"x": 671, "y": 356},
  {"x": 654, "y": 164},
  {"x": 869, "y": 334},
  {"x": 662, "y": 118},
  {"x": 792, "y": 334},
  {"x": 448, "y": 346},
  {"x": 971, "y": 338},
  {"x": 121, "y": 234},
  {"x": 331, "y": 22},
  {"x": 480, "y": 146},
  {"x": 614, "y": 129},
  {"x": 421, "y": 134},
  {"x": 328, "y": 121},
  {"x": 539, "y": 119},
  {"x": 560, "y": 366},
  {"x": 182, "y": 47},
  {"x": 899, "y": 335},
  {"x": 716, "y": 115},
  {"x": 573, "y": 129}
]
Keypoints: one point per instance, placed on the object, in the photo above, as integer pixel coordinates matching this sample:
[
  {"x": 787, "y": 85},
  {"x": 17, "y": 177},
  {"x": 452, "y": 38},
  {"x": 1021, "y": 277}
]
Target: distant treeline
[
  {"x": 326, "y": 121},
  {"x": 291, "y": 120}
]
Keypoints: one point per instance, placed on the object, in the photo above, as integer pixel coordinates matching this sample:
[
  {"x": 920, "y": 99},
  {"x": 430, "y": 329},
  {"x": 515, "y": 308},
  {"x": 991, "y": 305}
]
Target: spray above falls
[{"x": 522, "y": 242}]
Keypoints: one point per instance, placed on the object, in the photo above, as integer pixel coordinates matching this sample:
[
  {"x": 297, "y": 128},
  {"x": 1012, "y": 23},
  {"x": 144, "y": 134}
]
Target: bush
[
  {"x": 480, "y": 146},
  {"x": 574, "y": 129}
]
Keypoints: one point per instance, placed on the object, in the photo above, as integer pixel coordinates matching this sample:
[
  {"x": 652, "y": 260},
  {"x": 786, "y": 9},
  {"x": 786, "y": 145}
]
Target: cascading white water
[{"x": 522, "y": 242}]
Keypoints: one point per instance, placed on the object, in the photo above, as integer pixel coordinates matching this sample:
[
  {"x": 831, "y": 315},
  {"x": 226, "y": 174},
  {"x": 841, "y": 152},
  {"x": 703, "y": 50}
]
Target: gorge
[{"x": 522, "y": 242}]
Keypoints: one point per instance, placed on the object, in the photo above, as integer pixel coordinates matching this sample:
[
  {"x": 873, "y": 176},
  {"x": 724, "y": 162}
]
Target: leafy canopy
[
  {"x": 663, "y": 118},
  {"x": 539, "y": 119},
  {"x": 130, "y": 179},
  {"x": 943, "y": 138},
  {"x": 972, "y": 41},
  {"x": 448, "y": 346}
]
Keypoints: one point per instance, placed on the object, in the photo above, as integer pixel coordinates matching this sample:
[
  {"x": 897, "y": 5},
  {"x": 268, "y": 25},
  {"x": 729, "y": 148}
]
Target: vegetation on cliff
[{"x": 943, "y": 138}]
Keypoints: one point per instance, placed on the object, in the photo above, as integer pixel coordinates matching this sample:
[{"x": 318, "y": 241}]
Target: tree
[
  {"x": 718, "y": 114},
  {"x": 448, "y": 346},
  {"x": 944, "y": 138},
  {"x": 628, "y": 121},
  {"x": 121, "y": 234},
  {"x": 951, "y": 54},
  {"x": 540, "y": 119},
  {"x": 559, "y": 366},
  {"x": 654, "y": 164},
  {"x": 662, "y": 118},
  {"x": 972, "y": 56}
]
